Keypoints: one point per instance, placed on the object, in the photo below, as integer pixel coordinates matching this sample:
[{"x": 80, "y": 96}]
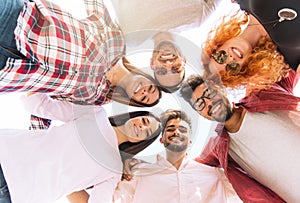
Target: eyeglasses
[
  {"x": 200, "y": 103},
  {"x": 164, "y": 71},
  {"x": 221, "y": 56}
]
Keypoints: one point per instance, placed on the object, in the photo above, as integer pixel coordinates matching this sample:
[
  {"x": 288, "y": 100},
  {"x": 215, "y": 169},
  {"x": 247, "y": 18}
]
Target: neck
[
  {"x": 119, "y": 75},
  {"x": 121, "y": 137},
  {"x": 234, "y": 123},
  {"x": 254, "y": 31},
  {"x": 175, "y": 158}
]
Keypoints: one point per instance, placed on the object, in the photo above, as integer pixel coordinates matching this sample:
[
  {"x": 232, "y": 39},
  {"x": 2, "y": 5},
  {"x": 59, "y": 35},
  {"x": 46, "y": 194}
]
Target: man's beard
[
  {"x": 176, "y": 148},
  {"x": 225, "y": 118}
]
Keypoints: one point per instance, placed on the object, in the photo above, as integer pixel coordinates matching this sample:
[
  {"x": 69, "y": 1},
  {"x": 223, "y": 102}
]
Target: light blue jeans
[
  {"x": 4, "y": 193},
  {"x": 9, "y": 13}
]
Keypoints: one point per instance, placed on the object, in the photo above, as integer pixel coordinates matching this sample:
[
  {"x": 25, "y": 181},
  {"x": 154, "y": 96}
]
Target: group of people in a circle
[{"x": 72, "y": 67}]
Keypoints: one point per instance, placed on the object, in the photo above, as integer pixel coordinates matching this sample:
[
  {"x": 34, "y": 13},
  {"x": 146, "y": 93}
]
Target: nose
[
  {"x": 143, "y": 127},
  {"x": 143, "y": 91},
  {"x": 176, "y": 132},
  {"x": 230, "y": 58},
  {"x": 168, "y": 64},
  {"x": 208, "y": 103}
]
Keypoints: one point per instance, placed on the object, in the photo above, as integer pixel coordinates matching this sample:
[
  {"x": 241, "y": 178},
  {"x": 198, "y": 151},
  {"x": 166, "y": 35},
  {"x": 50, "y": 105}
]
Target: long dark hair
[
  {"x": 119, "y": 94},
  {"x": 129, "y": 149}
]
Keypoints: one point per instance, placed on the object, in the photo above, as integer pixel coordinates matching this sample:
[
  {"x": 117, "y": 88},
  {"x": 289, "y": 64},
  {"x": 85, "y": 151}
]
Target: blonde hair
[{"x": 263, "y": 66}]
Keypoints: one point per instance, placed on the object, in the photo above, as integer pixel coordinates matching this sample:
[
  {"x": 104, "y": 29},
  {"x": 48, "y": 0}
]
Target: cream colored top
[
  {"x": 267, "y": 146},
  {"x": 162, "y": 15}
]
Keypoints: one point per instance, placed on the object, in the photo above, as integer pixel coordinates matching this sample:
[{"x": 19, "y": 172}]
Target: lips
[
  {"x": 167, "y": 56},
  {"x": 175, "y": 138},
  {"x": 138, "y": 88},
  {"x": 136, "y": 130},
  {"x": 216, "y": 107},
  {"x": 238, "y": 53}
]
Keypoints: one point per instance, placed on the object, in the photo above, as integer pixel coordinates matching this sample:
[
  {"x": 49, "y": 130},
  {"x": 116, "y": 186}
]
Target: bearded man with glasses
[{"x": 258, "y": 138}]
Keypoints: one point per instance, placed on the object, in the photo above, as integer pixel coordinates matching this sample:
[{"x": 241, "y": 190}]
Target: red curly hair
[{"x": 263, "y": 66}]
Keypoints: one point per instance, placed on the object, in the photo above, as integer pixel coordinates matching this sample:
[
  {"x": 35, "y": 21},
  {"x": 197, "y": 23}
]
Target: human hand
[
  {"x": 233, "y": 1},
  {"x": 128, "y": 165},
  {"x": 30, "y": 93}
]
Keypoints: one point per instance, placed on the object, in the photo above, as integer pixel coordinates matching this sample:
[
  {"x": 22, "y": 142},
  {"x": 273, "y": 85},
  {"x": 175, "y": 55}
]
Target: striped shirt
[{"x": 65, "y": 56}]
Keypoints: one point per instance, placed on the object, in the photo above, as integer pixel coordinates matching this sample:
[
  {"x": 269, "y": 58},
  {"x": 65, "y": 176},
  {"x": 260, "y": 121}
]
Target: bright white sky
[{"x": 13, "y": 115}]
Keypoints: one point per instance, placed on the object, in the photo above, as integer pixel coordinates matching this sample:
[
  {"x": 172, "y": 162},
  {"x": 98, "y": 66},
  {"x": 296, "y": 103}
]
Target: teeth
[
  {"x": 175, "y": 138},
  {"x": 138, "y": 88},
  {"x": 216, "y": 108},
  {"x": 237, "y": 52},
  {"x": 167, "y": 56},
  {"x": 136, "y": 130}
]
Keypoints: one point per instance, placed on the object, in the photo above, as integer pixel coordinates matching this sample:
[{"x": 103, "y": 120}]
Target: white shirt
[
  {"x": 134, "y": 15},
  {"x": 42, "y": 166},
  {"x": 162, "y": 182},
  {"x": 267, "y": 146},
  {"x": 158, "y": 15}
]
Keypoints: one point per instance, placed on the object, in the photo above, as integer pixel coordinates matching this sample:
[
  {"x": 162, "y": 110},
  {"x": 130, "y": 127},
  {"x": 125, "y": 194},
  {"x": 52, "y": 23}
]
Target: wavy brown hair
[{"x": 263, "y": 66}]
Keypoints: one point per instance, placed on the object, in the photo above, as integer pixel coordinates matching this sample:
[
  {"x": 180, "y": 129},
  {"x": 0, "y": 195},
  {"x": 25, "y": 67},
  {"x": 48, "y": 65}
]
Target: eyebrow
[
  {"x": 170, "y": 126},
  {"x": 173, "y": 126},
  {"x": 152, "y": 87}
]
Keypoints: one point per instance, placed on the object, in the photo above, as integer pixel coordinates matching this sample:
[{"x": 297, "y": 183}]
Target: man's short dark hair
[
  {"x": 174, "y": 114},
  {"x": 189, "y": 86}
]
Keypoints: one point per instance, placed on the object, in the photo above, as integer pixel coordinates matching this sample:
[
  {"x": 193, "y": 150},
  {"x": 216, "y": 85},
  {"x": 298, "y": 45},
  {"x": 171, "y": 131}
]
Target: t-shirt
[
  {"x": 267, "y": 147},
  {"x": 284, "y": 34}
]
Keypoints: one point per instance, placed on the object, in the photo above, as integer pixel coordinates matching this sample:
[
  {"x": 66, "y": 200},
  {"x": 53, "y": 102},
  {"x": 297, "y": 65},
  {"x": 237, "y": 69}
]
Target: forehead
[{"x": 177, "y": 123}]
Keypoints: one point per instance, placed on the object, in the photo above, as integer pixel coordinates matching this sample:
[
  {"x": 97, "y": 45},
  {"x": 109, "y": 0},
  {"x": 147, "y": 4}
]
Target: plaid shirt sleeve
[
  {"x": 92, "y": 6},
  {"x": 38, "y": 123},
  {"x": 64, "y": 55}
]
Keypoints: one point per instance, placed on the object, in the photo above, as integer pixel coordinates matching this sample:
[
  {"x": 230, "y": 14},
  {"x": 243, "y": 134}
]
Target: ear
[
  {"x": 184, "y": 60},
  {"x": 151, "y": 64},
  {"x": 161, "y": 140}
]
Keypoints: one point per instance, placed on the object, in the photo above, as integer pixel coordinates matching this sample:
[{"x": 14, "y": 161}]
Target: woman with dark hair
[
  {"x": 254, "y": 48},
  {"x": 83, "y": 152},
  {"x": 141, "y": 90},
  {"x": 143, "y": 97},
  {"x": 78, "y": 60}
]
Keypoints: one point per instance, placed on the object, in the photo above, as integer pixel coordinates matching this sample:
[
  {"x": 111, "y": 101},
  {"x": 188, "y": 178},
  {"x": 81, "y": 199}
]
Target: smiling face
[
  {"x": 176, "y": 135},
  {"x": 142, "y": 90},
  {"x": 230, "y": 56},
  {"x": 167, "y": 64},
  {"x": 211, "y": 103},
  {"x": 140, "y": 128}
]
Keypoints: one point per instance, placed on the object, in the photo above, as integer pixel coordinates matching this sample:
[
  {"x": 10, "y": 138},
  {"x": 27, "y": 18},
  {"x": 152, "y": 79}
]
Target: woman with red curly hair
[{"x": 242, "y": 52}]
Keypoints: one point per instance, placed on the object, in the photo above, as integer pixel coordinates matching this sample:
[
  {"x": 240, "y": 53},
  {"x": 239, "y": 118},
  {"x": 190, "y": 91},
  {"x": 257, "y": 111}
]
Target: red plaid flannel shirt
[{"x": 66, "y": 56}]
